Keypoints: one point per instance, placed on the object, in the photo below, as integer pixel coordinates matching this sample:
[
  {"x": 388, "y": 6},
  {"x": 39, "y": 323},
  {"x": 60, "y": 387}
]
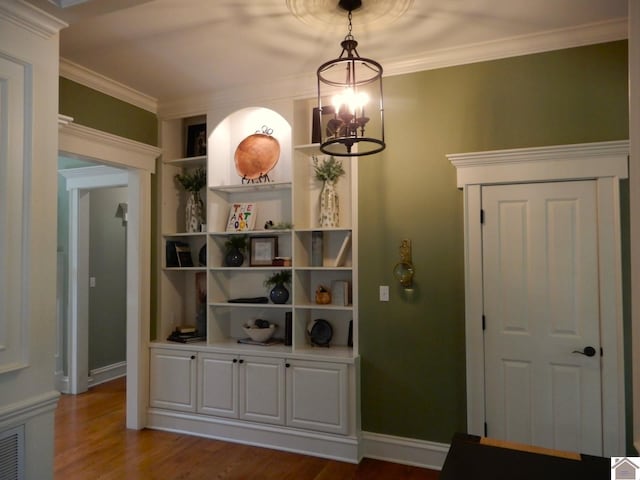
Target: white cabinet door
[
  {"x": 317, "y": 396},
  {"x": 172, "y": 379},
  {"x": 218, "y": 382},
  {"x": 262, "y": 389}
]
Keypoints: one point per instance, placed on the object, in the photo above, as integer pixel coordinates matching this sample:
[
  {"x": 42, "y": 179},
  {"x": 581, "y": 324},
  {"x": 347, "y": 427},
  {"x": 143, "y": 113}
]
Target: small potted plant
[
  {"x": 193, "y": 181},
  {"x": 235, "y": 246},
  {"x": 329, "y": 170},
  {"x": 279, "y": 293}
]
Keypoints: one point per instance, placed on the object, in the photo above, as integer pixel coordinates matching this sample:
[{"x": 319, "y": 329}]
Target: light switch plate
[{"x": 384, "y": 293}]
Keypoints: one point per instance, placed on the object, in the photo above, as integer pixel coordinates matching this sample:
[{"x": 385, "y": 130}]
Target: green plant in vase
[
  {"x": 235, "y": 247},
  {"x": 193, "y": 181},
  {"x": 277, "y": 281},
  {"x": 329, "y": 170}
]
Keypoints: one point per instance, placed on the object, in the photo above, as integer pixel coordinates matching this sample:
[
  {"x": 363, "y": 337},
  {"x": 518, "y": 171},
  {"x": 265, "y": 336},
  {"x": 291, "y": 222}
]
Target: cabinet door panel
[
  {"x": 172, "y": 379},
  {"x": 262, "y": 390},
  {"x": 317, "y": 396},
  {"x": 218, "y": 385}
]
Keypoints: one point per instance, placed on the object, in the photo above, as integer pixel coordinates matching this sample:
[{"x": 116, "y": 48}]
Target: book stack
[{"x": 186, "y": 334}]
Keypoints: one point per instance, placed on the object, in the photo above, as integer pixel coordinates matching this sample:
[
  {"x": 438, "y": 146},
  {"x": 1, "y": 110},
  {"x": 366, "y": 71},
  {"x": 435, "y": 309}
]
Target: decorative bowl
[{"x": 260, "y": 334}]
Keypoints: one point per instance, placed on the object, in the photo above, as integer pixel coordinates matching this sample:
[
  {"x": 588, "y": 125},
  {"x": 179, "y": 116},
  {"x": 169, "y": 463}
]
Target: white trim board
[
  {"x": 406, "y": 451},
  {"x": 21, "y": 412},
  {"x": 97, "y": 376},
  {"x": 607, "y": 163},
  {"x": 107, "y": 373},
  {"x": 325, "y": 445}
]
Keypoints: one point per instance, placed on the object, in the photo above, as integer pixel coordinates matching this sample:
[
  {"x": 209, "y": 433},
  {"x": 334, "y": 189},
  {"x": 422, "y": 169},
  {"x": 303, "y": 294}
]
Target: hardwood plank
[{"x": 92, "y": 442}]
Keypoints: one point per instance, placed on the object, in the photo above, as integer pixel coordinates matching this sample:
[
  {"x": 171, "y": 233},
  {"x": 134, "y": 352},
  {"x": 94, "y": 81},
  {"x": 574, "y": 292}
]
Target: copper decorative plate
[{"x": 256, "y": 156}]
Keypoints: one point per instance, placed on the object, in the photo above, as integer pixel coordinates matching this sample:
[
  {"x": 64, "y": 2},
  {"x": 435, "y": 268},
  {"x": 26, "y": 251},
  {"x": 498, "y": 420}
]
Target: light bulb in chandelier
[{"x": 349, "y": 113}]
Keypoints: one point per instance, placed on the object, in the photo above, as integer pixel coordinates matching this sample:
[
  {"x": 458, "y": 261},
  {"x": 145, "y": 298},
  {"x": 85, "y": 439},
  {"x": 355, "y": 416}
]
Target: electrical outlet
[
  {"x": 92, "y": 282},
  {"x": 384, "y": 293}
]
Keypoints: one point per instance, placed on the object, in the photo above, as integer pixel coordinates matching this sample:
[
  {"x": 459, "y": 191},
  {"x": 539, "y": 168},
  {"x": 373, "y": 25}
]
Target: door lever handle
[{"x": 587, "y": 352}]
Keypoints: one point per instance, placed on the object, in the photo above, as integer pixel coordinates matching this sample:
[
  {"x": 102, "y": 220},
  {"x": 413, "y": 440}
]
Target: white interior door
[{"x": 541, "y": 307}]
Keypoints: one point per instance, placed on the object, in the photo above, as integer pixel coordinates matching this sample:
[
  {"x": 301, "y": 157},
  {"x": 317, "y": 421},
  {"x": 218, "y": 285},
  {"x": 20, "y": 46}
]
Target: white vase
[
  {"x": 329, "y": 209},
  {"x": 194, "y": 213}
]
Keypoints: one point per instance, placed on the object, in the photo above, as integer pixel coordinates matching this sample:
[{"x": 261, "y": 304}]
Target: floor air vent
[{"x": 12, "y": 454}]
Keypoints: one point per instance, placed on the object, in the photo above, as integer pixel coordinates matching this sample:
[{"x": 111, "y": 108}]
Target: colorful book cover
[{"x": 242, "y": 217}]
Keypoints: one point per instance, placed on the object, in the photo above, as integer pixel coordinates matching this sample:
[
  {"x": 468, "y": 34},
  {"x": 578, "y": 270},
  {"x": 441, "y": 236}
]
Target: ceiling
[{"x": 171, "y": 49}]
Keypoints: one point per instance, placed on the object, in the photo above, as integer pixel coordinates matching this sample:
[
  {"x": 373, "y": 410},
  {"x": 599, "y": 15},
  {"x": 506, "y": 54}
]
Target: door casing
[
  {"x": 139, "y": 161},
  {"x": 604, "y": 162}
]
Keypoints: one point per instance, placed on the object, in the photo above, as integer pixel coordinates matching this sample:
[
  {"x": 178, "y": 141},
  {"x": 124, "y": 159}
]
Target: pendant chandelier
[{"x": 349, "y": 89}]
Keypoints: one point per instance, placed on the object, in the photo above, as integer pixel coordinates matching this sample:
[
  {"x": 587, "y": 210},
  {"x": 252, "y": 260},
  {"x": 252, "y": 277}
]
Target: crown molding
[
  {"x": 27, "y": 16},
  {"x": 578, "y": 36},
  {"x": 89, "y": 78},
  {"x": 304, "y": 85}
]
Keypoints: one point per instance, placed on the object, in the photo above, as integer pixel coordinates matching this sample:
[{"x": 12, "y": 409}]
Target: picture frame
[
  {"x": 196, "y": 145},
  {"x": 319, "y": 123},
  {"x": 263, "y": 250}
]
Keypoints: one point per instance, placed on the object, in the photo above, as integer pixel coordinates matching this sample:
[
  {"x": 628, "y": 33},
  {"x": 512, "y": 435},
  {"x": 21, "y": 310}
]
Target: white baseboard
[
  {"x": 406, "y": 451},
  {"x": 96, "y": 376},
  {"x": 105, "y": 374},
  {"x": 325, "y": 445}
]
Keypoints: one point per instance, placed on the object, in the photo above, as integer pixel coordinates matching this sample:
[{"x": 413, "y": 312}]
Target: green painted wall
[
  {"x": 96, "y": 110},
  {"x": 413, "y": 352},
  {"x": 108, "y": 265}
]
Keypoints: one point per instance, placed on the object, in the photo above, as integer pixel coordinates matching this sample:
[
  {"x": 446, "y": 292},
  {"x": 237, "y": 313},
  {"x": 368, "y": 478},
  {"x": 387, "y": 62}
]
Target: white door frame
[
  {"x": 605, "y": 162},
  {"x": 79, "y": 182},
  {"x": 139, "y": 161}
]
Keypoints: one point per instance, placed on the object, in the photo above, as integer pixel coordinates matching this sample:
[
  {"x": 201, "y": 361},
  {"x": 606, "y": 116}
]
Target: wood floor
[{"x": 92, "y": 443}]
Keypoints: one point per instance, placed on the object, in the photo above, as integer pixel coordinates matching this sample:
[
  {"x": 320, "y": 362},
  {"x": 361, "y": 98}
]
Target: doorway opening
[
  {"x": 92, "y": 219},
  {"x": 138, "y": 160}
]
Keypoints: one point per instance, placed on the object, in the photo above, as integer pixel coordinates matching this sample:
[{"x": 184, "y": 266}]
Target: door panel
[
  {"x": 540, "y": 280},
  {"x": 262, "y": 390},
  {"x": 217, "y": 378}
]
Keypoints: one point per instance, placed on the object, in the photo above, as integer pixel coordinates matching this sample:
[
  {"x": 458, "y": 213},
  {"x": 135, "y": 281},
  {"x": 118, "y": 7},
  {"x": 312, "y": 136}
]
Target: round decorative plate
[
  {"x": 320, "y": 332},
  {"x": 256, "y": 156}
]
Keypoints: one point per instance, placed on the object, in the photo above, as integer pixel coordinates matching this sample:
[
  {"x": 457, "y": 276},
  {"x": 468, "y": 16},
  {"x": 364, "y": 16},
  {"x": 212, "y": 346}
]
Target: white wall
[{"x": 29, "y": 42}]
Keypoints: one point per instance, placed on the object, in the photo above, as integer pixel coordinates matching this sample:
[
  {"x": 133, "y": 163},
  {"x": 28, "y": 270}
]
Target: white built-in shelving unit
[{"x": 311, "y": 391}]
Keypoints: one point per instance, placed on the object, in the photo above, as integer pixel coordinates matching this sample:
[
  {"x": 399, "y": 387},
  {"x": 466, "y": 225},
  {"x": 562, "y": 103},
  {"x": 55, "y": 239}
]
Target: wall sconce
[{"x": 403, "y": 270}]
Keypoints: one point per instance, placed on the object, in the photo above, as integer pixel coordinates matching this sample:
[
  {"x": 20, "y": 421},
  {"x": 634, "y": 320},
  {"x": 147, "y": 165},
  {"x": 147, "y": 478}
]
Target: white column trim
[
  {"x": 634, "y": 201},
  {"x": 138, "y": 296}
]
